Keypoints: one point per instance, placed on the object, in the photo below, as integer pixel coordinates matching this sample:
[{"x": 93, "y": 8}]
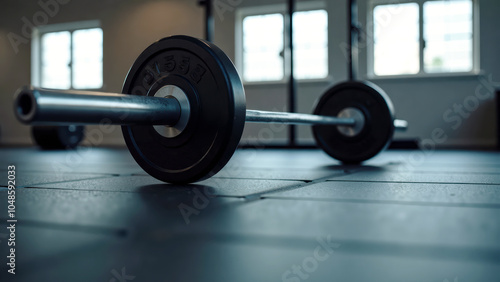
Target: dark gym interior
[{"x": 283, "y": 140}]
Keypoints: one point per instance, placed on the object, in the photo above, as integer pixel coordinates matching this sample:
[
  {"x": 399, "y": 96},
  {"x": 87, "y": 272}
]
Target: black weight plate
[
  {"x": 58, "y": 137},
  {"x": 217, "y": 102},
  {"x": 379, "y": 121}
]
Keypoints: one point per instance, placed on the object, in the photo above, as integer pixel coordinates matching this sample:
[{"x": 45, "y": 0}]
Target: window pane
[
  {"x": 87, "y": 58},
  {"x": 310, "y": 39},
  {"x": 56, "y": 58},
  {"x": 448, "y": 36},
  {"x": 262, "y": 46},
  {"x": 396, "y": 39}
]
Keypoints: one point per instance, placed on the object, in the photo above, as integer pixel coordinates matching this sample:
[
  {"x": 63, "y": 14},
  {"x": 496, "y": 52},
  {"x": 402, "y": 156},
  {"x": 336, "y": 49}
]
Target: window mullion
[
  {"x": 40, "y": 60},
  {"x": 286, "y": 48},
  {"x": 71, "y": 75}
]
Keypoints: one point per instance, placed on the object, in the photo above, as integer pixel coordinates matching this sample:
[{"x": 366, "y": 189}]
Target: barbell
[{"x": 183, "y": 112}]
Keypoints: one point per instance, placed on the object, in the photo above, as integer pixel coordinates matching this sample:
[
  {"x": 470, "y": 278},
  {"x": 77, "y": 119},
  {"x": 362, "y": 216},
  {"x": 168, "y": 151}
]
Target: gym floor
[{"x": 269, "y": 215}]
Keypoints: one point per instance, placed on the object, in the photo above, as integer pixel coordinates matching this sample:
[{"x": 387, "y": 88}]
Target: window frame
[
  {"x": 36, "y": 48},
  {"x": 243, "y": 12},
  {"x": 475, "y": 70}
]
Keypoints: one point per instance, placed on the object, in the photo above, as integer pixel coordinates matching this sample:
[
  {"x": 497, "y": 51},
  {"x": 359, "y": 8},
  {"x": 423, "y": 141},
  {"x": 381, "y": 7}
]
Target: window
[
  {"x": 396, "y": 41},
  {"x": 423, "y": 37},
  {"x": 263, "y": 42},
  {"x": 448, "y": 36},
  {"x": 68, "y": 56},
  {"x": 263, "y": 47},
  {"x": 310, "y": 43}
]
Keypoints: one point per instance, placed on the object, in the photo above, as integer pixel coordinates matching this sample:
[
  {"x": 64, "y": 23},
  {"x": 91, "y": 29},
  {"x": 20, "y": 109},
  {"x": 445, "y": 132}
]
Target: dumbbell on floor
[
  {"x": 186, "y": 112},
  {"x": 58, "y": 137}
]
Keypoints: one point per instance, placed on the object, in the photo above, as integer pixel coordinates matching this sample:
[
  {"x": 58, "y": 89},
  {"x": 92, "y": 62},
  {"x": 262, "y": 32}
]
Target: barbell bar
[
  {"x": 56, "y": 107},
  {"x": 183, "y": 112},
  {"x": 62, "y": 107}
]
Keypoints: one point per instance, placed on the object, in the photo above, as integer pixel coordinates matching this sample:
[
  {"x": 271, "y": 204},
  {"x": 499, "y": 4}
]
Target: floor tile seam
[
  {"x": 435, "y": 172},
  {"x": 263, "y": 179},
  {"x": 115, "y": 231},
  {"x": 73, "y": 173},
  {"x": 302, "y": 184},
  {"x": 373, "y": 247},
  {"x": 66, "y": 181},
  {"x": 387, "y": 202},
  {"x": 411, "y": 182}
]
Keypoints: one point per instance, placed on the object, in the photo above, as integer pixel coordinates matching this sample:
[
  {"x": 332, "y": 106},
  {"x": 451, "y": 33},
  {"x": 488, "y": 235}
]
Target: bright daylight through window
[
  {"x": 263, "y": 44},
  {"x": 71, "y": 59},
  {"x": 446, "y": 46}
]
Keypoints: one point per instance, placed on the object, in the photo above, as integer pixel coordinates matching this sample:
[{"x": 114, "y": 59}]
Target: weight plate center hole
[
  {"x": 359, "y": 118},
  {"x": 172, "y": 91}
]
